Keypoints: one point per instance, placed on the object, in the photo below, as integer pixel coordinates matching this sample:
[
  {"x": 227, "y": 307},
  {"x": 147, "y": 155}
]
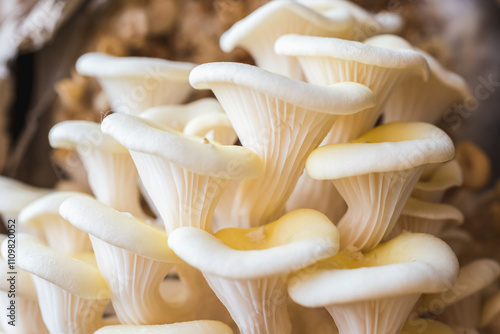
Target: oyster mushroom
[
  {"x": 282, "y": 120},
  {"x": 247, "y": 268},
  {"x": 133, "y": 258},
  {"x": 134, "y": 84},
  {"x": 460, "y": 304},
  {"x": 426, "y": 217},
  {"x": 257, "y": 32},
  {"x": 436, "y": 180},
  {"x": 71, "y": 292},
  {"x": 399, "y": 271},
  {"x": 376, "y": 189},
  {"x": 43, "y": 216},
  {"x": 110, "y": 169}
]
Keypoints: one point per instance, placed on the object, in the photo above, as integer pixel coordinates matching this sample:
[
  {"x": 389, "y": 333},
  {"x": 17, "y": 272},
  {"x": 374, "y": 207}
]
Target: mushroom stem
[
  {"x": 374, "y": 203},
  {"x": 267, "y": 299},
  {"x": 384, "y": 316},
  {"x": 125, "y": 271},
  {"x": 73, "y": 314}
]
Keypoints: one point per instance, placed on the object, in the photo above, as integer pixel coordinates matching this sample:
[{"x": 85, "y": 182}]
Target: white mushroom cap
[
  {"x": 214, "y": 126},
  {"x": 16, "y": 195},
  {"x": 247, "y": 268},
  {"x": 282, "y": 120},
  {"x": 133, "y": 258},
  {"x": 336, "y": 48},
  {"x": 204, "y": 158},
  {"x": 345, "y": 98},
  {"x": 71, "y": 274},
  {"x": 177, "y": 116},
  {"x": 191, "y": 327},
  {"x": 297, "y": 239},
  {"x": 472, "y": 278},
  {"x": 403, "y": 146},
  {"x": 133, "y": 84},
  {"x": 410, "y": 263},
  {"x": 43, "y": 215},
  {"x": 258, "y": 31},
  {"x": 110, "y": 169},
  {"x": 442, "y": 90},
  {"x": 366, "y": 24},
  {"x": 427, "y": 217},
  {"x": 118, "y": 229},
  {"x": 326, "y": 61},
  {"x": 83, "y": 136},
  {"x": 432, "y": 186}
]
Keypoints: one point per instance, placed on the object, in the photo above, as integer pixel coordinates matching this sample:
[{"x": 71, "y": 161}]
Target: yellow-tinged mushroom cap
[
  {"x": 411, "y": 263},
  {"x": 294, "y": 241},
  {"x": 389, "y": 147}
]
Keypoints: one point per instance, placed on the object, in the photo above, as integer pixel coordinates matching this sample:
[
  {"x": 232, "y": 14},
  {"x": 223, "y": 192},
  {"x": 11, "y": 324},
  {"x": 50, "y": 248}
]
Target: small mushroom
[
  {"x": 376, "y": 188},
  {"x": 43, "y": 216},
  {"x": 326, "y": 61},
  {"x": 433, "y": 184},
  {"x": 134, "y": 84},
  {"x": 460, "y": 304},
  {"x": 257, "y": 32},
  {"x": 247, "y": 268},
  {"x": 185, "y": 188},
  {"x": 427, "y": 217},
  {"x": 442, "y": 89},
  {"x": 111, "y": 172},
  {"x": 282, "y": 120},
  {"x": 71, "y": 292},
  {"x": 133, "y": 258},
  {"x": 376, "y": 291},
  {"x": 366, "y": 24},
  {"x": 16, "y": 285}
]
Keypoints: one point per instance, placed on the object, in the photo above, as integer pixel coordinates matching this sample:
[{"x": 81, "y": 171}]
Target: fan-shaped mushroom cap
[
  {"x": 403, "y": 146},
  {"x": 434, "y": 183},
  {"x": 366, "y": 23},
  {"x": 71, "y": 291},
  {"x": 331, "y": 60},
  {"x": 363, "y": 178},
  {"x": 398, "y": 271},
  {"x": 16, "y": 195},
  {"x": 282, "y": 120},
  {"x": 177, "y": 116},
  {"x": 247, "y": 268},
  {"x": 133, "y": 258},
  {"x": 441, "y": 90},
  {"x": 191, "y": 183},
  {"x": 299, "y": 238},
  {"x": 110, "y": 169},
  {"x": 71, "y": 274},
  {"x": 191, "y": 327},
  {"x": 43, "y": 215},
  {"x": 118, "y": 229},
  {"x": 258, "y": 31},
  {"x": 460, "y": 304},
  {"x": 427, "y": 217},
  {"x": 134, "y": 84}
]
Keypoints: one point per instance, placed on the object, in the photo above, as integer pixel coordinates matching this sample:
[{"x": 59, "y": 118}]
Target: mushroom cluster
[{"x": 306, "y": 197}]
